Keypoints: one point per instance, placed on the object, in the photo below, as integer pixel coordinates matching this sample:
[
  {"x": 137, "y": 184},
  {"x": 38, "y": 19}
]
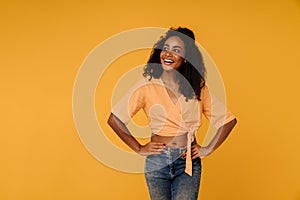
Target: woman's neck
[{"x": 169, "y": 76}]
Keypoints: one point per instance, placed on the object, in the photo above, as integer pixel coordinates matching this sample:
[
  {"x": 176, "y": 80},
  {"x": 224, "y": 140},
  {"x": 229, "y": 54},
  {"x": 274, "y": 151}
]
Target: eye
[
  {"x": 176, "y": 50},
  {"x": 165, "y": 48}
]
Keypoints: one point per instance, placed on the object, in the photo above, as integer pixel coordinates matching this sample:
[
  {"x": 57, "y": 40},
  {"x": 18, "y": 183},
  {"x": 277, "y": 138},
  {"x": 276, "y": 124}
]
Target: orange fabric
[
  {"x": 188, "y": 161},
  {"x": 169, "y": 119}
]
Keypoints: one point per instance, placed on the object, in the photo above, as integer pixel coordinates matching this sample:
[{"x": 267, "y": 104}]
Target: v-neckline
[{"x": 174, "y": 104}]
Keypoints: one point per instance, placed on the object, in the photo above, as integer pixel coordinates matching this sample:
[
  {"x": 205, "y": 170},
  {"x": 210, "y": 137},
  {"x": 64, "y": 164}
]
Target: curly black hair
[{"x": 192, "y": 72}]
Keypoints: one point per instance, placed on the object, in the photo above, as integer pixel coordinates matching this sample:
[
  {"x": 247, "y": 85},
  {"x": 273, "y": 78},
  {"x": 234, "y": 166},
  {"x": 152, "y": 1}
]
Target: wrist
[
  {"x": 142, "y": 150},
  {"x": 209, "y": 148},
  {"x": 206, "y": 150},
  {"x": 136, "y": 148}
]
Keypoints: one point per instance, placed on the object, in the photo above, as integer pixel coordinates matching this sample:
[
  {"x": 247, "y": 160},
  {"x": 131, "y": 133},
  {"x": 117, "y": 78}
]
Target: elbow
[
  {"x": 114, "y": 120},
  {"x": 234, "y": 122},
  {"x": 230, "y": 125},
  {"x": 110, "y": 120}
]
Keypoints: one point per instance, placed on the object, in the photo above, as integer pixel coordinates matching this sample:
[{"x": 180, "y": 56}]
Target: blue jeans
[{"x": 166, "y": 178}]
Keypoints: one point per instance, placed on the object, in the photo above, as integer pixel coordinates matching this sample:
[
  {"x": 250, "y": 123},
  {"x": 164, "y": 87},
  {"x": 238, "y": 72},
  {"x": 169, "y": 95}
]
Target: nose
[{"x": 168, "y": 53}]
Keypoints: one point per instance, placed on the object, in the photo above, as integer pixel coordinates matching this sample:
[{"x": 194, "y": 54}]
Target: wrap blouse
[{"x": 167, "y": 118}]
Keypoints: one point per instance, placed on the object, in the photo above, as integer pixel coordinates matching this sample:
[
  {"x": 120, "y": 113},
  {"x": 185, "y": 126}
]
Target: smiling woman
[
  {"x": 175, "y": 69},
  {"x": 191, "y": 76},
  {"x": 171, "y": 56}
]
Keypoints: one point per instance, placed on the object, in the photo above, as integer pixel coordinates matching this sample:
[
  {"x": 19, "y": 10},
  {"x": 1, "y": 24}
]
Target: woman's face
[{"x": 172, "y": 54}]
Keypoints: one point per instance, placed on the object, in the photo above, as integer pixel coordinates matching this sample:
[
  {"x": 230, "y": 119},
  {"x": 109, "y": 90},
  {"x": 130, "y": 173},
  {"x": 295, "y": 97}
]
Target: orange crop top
[{"x": 170, "y": 119}]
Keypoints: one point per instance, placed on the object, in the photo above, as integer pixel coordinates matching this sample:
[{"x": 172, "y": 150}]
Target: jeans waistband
[{"x": 176, "y": 150}]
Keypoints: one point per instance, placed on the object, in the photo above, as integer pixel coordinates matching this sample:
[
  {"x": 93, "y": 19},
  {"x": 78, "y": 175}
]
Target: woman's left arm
[{"x": 219, "y": 138}]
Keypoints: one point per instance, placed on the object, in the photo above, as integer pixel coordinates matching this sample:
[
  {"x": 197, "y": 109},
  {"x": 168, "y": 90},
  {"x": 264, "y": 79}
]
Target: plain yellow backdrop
[{"x": 255, "y": 44}]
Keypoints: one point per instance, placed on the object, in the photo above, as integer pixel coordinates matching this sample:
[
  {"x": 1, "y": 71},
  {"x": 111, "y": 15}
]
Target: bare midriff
[{"x": 171, "y": 141}]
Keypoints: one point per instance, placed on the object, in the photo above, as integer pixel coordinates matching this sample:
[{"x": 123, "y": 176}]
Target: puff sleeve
[
  {"x": 129, "y": 105},
  {"x": 214, "y": 110}
]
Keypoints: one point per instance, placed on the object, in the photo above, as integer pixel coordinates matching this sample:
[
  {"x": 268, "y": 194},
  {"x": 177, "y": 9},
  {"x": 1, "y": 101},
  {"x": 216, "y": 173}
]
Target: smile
[{"x": 168, "y": 61}]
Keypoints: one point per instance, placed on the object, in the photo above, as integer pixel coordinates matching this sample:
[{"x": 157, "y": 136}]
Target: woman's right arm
[{"x": 122, "y": 131}]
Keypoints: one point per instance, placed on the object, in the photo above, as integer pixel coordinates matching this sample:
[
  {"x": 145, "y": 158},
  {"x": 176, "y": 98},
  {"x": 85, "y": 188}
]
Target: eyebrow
[{"x": 174, "y": 46}]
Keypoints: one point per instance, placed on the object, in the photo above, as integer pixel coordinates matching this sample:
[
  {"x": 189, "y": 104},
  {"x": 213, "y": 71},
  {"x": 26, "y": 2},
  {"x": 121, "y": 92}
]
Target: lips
[{"x": 168, "y": 61}]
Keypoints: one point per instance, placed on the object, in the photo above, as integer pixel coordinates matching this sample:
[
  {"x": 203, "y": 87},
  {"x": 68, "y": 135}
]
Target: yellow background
[{"x": 255, "y": 44}]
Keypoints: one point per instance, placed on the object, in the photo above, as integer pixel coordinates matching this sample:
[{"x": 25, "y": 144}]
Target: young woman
[{"x": 174, "y": 95}]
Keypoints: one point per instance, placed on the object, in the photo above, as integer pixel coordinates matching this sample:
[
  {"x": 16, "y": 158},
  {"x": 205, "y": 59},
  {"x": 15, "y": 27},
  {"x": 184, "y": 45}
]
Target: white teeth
[{"x": 168, "y": 61}]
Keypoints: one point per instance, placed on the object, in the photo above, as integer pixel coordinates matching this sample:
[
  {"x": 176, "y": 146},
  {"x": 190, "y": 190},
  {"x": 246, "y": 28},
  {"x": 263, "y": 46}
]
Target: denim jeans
[{"x": 166, "y": 178}]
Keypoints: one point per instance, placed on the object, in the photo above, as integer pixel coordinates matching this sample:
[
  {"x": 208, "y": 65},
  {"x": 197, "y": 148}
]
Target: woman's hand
[
  {"x": 198, "y": 151},
  {"x": 151, "y": 148}
]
